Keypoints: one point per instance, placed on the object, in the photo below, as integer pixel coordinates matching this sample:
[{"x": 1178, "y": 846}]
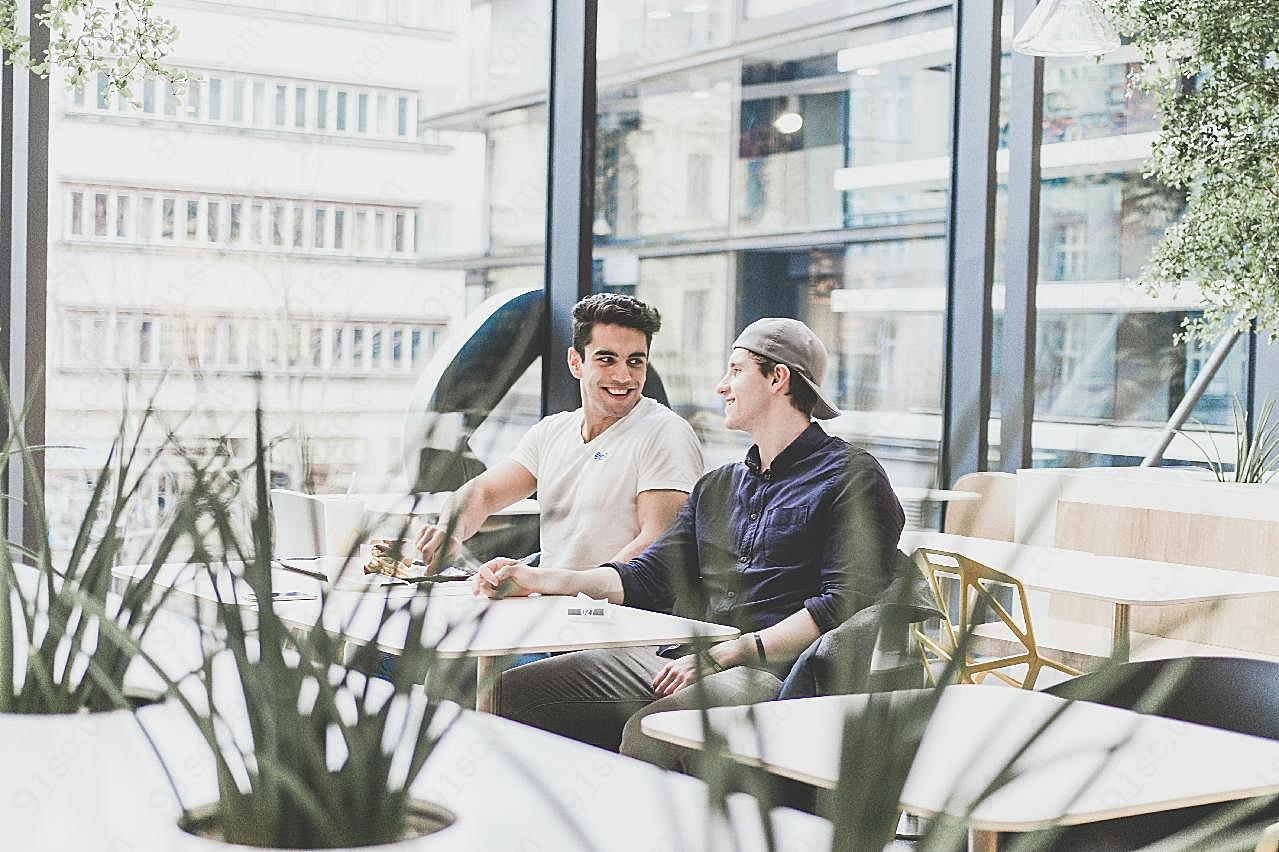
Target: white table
[
  {"x": 1069, "y": 774},
  {"x": 1121, "y": 581},
  {"x": 915, "y": 498},
  {"x": 92, "y": 783},
  {"x": 934, "y": 495},
  {"x": 457, "y": 623},
  {"x": 427, "y": 504}
]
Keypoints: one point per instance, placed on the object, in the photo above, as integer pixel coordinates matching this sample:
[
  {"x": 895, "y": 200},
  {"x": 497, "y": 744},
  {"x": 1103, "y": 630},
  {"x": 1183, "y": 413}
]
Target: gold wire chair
[{"x": 977, "y": 602}]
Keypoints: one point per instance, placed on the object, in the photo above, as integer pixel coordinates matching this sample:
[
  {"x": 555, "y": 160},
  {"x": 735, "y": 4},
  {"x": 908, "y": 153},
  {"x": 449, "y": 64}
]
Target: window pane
[
  {"x": 122, "y": 216},
  {"x": 277, "y": 224},
  {"x": 192, "y": 101},
  {"x": 249, "y": 203},
  {"x": 146, "y": 217},
  {"x": 1108, "y": 365},
  {"x": 215, "y": 98},
  {"x": 99, "y": 214},
  {"x": 77, "y": 213},
  {"x": 166, "y": 219},
  {"x": 259, "y": 104},
  {"x": 321, "y": 223}
]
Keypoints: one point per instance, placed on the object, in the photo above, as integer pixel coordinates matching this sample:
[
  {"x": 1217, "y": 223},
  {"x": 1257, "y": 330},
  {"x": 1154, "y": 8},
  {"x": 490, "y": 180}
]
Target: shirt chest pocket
[{"x": 785, "y": 535}]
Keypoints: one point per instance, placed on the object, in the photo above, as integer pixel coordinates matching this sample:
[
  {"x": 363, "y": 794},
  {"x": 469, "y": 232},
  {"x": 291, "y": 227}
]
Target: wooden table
[
  {"x": 1069, "y": 774},
  {"x": 458, "y": 624},
  {"x": 1121, "y": 581}
]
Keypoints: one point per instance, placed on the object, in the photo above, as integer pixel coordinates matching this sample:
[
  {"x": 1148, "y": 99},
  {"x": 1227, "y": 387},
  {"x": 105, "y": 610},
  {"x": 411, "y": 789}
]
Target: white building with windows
[{"x": 271, "y": 221}]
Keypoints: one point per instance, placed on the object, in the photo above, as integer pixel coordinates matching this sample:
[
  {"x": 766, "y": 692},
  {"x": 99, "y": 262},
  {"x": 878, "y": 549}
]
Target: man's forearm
[
  {"x": 599, "y": 583},
  {"x": 785, "y": 640},
  {"x": 635, "y": 546},
  {"x": 468, "y": 510}
]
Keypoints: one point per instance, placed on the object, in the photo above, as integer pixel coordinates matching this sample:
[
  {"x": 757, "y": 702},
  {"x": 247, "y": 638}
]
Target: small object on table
[
  {"x": 388, "y": 559},
  {"x": 585, "y": 608},
  {"x": 280, "y": 595}
]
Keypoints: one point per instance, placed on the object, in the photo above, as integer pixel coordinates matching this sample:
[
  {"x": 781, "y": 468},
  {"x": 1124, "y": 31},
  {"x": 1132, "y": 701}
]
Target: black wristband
[
  {"x": 711, "y": 662},
  {"x": 759, "y": 649}
]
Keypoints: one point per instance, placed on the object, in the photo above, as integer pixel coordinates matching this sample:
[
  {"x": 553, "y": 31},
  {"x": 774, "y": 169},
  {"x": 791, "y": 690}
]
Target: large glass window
[
  {"x": 180, "y": 276},
  {"x": 770, "y": 182},
  {"x": 1108, "y": 370}
]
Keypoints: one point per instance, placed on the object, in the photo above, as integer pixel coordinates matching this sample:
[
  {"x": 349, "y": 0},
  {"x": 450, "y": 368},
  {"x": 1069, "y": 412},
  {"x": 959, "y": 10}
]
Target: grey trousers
[{"x": 599, "y": 697}]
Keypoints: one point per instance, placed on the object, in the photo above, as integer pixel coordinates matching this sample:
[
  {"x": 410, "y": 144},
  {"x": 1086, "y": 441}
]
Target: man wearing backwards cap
[{"x": 785, "y": 546}]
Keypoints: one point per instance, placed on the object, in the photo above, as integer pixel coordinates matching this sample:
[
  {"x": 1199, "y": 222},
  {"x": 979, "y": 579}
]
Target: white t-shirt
[{"x": 587, "y": 491}]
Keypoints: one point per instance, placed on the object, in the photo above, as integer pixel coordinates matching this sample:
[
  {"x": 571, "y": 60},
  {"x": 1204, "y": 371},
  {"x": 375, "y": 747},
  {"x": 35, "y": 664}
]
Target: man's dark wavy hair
[{"x": 612, "y": 309}]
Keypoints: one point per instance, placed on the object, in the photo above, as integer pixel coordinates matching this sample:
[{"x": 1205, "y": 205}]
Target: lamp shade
[{"x": 1066, "y": 28}]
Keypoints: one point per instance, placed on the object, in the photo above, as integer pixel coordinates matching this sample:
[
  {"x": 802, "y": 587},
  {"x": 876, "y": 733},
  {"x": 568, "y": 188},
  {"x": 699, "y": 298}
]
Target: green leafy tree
[
  {"x": 1214, "y": 70},
  {"x": 123, "y": 39}
]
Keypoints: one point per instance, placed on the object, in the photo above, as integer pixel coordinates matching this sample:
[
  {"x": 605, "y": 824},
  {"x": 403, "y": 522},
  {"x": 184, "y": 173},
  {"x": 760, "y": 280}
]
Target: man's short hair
[
  {"x": 612, "y": 309},
  {"x": 802, "y": 397}
]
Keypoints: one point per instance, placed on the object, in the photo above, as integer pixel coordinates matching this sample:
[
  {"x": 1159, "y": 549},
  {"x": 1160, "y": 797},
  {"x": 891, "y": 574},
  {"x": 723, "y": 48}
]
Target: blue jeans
[{"x": 386, "y": 663}]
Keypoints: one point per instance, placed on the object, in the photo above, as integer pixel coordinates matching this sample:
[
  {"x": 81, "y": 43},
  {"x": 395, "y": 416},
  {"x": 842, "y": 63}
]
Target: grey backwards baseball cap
[{"x": 790, "y": 342}]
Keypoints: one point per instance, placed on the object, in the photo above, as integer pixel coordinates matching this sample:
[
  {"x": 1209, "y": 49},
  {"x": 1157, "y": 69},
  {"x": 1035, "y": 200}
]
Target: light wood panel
[
  {"x": 990, "y": 517},
  {"x": 1237, "y": 544}
]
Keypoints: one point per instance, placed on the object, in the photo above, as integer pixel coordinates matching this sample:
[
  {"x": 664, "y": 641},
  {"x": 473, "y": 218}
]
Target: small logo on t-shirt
[{"x": 600, "y": 455}]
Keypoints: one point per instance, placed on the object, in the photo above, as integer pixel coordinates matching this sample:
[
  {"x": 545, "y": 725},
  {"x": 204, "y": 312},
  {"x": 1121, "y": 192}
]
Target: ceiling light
[
  {"x": 659, "y": 14},
  {"x": 702, "y": 94},
  {"x": 870, "y": 71},
  {"x": 788, "y": 122},
  {"x": 1066, "y": 28},
  {"x": 693, "y": 8}
]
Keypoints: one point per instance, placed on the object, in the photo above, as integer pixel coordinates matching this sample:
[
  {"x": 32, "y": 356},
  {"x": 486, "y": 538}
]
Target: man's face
[
  {"x": 745, "y": 390},
  {"x": 613, "y": 371}
]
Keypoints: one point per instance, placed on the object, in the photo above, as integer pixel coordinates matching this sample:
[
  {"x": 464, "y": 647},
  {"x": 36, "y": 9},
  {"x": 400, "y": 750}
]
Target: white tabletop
[
  {"x": 934, "y": 495},
  {"x": 457, "y": 624},
  {"x": 91, "y": 782},
  {"x": 430, "y": 504},
  {"x": 1115, "y": 579},
  {"x": 1068, "y": 774}
]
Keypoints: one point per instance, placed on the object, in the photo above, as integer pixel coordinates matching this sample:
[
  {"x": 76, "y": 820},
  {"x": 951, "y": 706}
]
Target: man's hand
[
  {"x": 435, "y": 546},
  {"x": 679, "y": 673},
  {"x": 506, "y": 578}
]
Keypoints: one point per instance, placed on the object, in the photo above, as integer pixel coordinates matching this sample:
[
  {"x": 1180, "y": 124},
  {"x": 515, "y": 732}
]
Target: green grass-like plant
[
  {"x": 51, "y": 610},
  {"x": 310, "y": 751},
  {"x": 1256, "y": 451}
]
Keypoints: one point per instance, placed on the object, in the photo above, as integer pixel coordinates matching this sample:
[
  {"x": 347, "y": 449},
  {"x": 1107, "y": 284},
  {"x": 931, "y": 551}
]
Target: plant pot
[
  {"x": 76, "y": 780},
  {"x": 423, "y": 820}
]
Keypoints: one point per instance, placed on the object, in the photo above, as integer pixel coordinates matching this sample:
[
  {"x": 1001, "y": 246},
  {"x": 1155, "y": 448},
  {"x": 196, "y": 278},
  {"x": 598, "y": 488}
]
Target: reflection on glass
[
  {"x": 1105, "y": 355},
  {"x": 517, "y": 177}
]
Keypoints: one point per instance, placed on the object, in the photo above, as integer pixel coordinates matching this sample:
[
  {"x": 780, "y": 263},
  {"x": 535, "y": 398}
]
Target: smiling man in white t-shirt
[{"x": 610, "y": 476}]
